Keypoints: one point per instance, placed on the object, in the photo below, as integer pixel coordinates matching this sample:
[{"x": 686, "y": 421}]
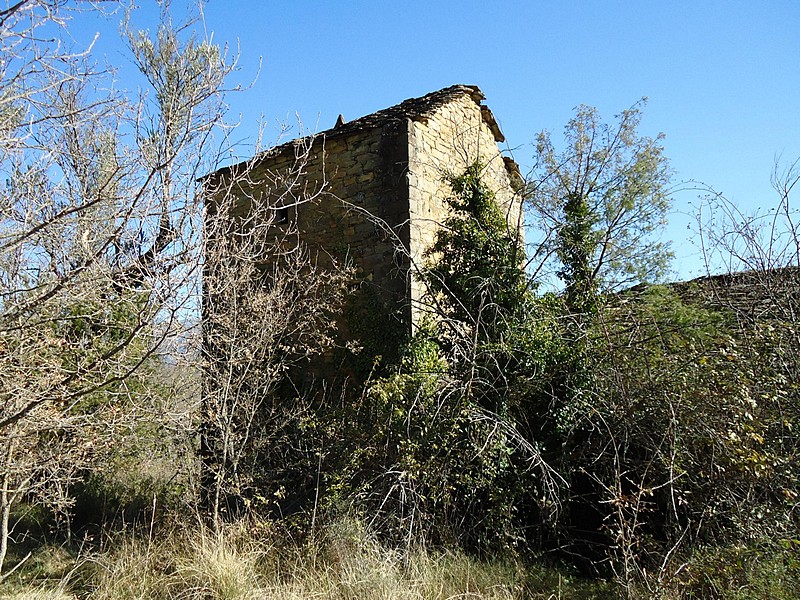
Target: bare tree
[
  {"x": 732, "y": 239},
  {"x": 268, "y": 308},
  {"x": 99, "y": 232}
]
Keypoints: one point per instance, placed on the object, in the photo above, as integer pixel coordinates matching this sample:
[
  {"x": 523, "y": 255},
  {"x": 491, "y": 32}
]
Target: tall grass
[
  {"x": 241, "y": 563},
  {"x": 344, "y": 561}
]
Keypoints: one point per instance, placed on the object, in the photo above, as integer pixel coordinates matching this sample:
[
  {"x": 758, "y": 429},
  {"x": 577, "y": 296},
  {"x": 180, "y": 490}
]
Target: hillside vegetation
[{"x": 618, "y": 437}]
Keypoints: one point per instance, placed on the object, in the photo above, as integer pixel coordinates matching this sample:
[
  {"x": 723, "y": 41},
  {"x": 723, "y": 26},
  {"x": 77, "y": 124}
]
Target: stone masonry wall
[
  {"x": 444, "y": 145},
  {"x": 377, "y": 184},
  {"x": 351, "y": 180},
  {"x": 357, "y": 215}
]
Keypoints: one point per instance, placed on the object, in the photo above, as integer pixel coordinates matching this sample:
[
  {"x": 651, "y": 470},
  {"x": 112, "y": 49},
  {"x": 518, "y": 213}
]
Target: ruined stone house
[{"x": 372, "y": 191}]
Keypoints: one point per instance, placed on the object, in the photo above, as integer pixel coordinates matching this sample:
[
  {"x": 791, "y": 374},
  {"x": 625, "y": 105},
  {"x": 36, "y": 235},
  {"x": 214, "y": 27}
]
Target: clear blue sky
[{"x": 723, "y": 77}]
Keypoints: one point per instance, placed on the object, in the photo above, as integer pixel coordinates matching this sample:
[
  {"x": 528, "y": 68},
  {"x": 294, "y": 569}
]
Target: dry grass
[
  {"x": 343, "y": 563},
  {"x": 42, "y": 593},
  {"x": 186, "y": 564}
]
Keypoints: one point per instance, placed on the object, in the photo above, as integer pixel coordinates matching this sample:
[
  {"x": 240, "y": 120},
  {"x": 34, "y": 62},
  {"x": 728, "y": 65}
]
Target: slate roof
[
  {"x": 754, "y": 295},
  {"x": 767, "y": 293},
  {"x": 416, "y": 109},
  {"x": 419, "y": 109}
]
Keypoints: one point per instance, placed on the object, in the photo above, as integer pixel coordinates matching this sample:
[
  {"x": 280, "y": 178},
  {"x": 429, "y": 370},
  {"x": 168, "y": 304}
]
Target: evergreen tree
[{"x": 477, "y": 273}]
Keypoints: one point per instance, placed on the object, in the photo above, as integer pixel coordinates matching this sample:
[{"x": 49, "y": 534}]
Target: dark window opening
[{"x": 280, "y": 216}]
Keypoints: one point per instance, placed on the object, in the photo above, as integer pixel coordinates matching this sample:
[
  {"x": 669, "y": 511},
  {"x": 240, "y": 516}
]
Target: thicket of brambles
[{"x": 153, "y": 440}]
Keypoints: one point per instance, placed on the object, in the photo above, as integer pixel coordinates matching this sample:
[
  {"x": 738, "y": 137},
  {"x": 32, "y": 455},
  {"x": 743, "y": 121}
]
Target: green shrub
[{"x": 768, "y": 571}]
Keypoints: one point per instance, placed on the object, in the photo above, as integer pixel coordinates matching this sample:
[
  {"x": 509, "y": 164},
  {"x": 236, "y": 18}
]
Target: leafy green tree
[
  {"x": 477, "y": 257},
  {"x": 485, "y": 305},
  {"x": 601, "y": 202},
  {"x": 451, "y": 458}
]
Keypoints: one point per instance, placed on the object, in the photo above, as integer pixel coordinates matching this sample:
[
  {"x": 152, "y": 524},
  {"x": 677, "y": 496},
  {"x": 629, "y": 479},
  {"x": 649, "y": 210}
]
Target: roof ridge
[
  {"x": 419, "y": 107},
  {"x": 412, "y": 108}
]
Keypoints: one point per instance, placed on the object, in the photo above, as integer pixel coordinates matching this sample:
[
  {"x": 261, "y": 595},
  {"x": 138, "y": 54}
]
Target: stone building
[{"x": 372, "y": 191}]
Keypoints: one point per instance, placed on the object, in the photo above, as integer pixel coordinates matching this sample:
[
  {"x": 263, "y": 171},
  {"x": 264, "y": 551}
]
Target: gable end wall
[{"x": 445, "y": 144}]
